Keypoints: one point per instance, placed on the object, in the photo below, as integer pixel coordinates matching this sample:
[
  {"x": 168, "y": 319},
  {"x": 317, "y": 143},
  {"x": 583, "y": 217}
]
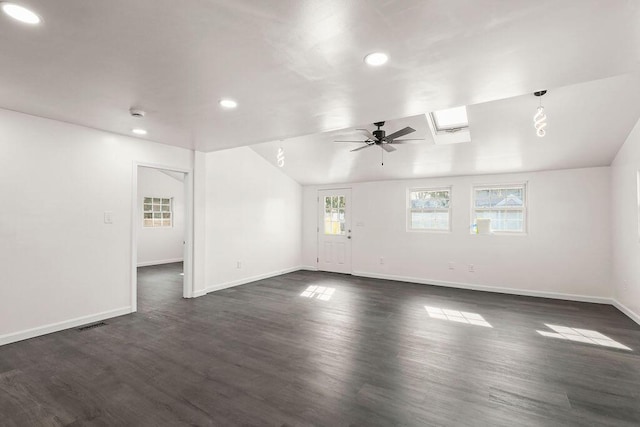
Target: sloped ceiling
[
  {"x": 296, "y": 68},
  {"x": 587, "y": 124}
]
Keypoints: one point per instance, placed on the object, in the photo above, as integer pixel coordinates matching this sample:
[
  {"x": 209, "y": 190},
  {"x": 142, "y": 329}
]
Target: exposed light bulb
[
  {"x": 280, "y": 157},
  {"x": 540, "y": 122}
]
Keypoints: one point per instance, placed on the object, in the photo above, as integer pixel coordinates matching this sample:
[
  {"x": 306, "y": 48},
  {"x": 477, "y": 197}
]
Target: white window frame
[
  {"x": 162, "y": 219},
  {"x": 524, "y": 209},
  {"x": 410, "y": 210}
]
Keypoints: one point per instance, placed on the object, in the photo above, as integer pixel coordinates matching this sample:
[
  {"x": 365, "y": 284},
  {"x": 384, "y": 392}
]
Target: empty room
[{"x": 320, "y": 213}]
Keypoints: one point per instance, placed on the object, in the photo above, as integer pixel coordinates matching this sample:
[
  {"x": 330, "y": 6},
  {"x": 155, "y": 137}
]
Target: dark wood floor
[{"x": 367, "y": 354}]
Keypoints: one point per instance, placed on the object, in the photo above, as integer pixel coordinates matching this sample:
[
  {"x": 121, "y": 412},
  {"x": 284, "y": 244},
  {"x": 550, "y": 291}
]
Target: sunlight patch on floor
[
  {"x": 457, "y": 316},
  {"x": 582, "y": 335},
  {"x": 319, "y": 292}
]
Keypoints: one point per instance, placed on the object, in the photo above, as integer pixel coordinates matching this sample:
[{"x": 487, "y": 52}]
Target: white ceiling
[
  {"x": 296, "y": 68},
  {"x": 587, "y": 124}
]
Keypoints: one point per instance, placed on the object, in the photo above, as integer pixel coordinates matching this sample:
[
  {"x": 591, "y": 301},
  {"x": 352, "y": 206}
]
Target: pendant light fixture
[
  {"x": 280, "y": 157},
  {"x": 540, "y": 118}
]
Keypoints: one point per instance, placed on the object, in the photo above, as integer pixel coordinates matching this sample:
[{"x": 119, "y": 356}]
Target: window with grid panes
[
  {"x": 334, "y": 217},
  {"x": 429, "y": 209},
  {"x": 504, "y": 205},
  {"x": 157, "y": 212}
]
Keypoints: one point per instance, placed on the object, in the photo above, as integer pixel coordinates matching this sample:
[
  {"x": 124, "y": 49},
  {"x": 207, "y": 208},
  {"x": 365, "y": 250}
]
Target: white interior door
[{"x": 334, "y": 230}]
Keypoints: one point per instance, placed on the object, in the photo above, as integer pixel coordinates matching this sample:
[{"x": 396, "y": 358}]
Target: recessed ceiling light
[
  {"x": 139, "y": 131},
  {"x": 376, "y": 59},
  {"x": 20, "y": 13},
  {"x": 228, "y": 103}
]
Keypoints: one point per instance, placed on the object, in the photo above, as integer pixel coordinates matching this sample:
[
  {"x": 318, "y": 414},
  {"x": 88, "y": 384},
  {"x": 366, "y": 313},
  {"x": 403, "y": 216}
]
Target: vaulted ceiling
[
  {"x": 587, "y": 124},
  {"x": 295, "y": 67}
]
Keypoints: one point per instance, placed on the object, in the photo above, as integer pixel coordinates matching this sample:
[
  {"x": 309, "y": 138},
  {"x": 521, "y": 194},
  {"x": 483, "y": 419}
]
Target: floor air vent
[{"x": 93, "y": 326}]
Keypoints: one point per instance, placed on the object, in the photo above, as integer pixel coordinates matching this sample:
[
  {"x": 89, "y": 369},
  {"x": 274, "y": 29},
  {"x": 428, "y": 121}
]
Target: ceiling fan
[{"x": 381, "y": 139}]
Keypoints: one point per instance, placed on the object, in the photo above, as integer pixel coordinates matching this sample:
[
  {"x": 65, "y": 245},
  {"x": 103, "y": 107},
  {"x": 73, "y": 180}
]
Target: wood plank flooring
[{"x": 359, "y": 352}]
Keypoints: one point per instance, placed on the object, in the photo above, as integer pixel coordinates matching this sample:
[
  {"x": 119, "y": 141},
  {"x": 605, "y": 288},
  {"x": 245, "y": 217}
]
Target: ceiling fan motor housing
[{"x": 379, "y": 134}]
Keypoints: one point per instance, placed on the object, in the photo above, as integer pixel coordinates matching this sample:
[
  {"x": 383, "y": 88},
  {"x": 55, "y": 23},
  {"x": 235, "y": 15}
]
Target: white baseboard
[
  {"x": 199, "y": 293},
  {"x": 633, "y": 316},
  {"x": 246, "y": 280},
  {"x": 486, "y": 288},
  {"x": 59, "y": 326},
  {"x": 309, "y": 267},
  {"x": 159, "y": 262}
]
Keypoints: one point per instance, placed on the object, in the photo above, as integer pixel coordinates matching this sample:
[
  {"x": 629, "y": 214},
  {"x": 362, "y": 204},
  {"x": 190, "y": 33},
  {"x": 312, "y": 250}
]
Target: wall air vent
[{"x": 92, "y": 326}]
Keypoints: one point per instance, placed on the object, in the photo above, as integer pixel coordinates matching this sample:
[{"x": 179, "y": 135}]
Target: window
[
  {"x": 505, "y": 206},
  {"x": 429, "y": 209},
  {"x": 157, "y": 212},
  {"x": 334, "y": 219}
]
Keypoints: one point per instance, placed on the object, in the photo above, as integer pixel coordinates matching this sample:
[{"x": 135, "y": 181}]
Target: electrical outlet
[
  {"x": 381, "y": 261},
  {"x": 472, "y": 268},
  {"x": 452, "y": 266},
  {"x": 238, "y": 264},
  {"x": 625, "y": 285}
]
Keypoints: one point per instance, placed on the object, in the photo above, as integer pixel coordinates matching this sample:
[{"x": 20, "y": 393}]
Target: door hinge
[
  {"x": 317, "y": 229},
  {"x": 317, "y": 259}
]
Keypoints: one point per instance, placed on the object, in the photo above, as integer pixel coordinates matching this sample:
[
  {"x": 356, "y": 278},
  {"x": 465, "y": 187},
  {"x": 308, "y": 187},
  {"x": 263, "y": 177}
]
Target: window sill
[{"x": 501, "y": 233}]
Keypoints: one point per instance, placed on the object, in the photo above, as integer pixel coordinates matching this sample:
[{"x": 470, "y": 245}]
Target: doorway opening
[{"x": 161, "y": 236}]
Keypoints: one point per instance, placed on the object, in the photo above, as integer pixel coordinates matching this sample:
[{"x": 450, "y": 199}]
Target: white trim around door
[{"x": 187, "y": 288}]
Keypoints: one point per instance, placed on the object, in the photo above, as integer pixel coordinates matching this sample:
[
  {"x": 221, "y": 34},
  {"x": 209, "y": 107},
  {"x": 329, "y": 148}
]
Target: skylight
[
  {"x": 450, "y": 120},
  {"x": 450, "y": 126}
]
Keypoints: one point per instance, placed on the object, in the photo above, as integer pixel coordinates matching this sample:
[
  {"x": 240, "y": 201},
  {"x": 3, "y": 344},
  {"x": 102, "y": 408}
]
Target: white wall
[
  {"x": 625, "y": 239},
  {"x": 160, "y": 245},
  {"x": 253, "y": 217},
  {"x": 60, "y": 263},
  {"x": 566, "y": 250}
]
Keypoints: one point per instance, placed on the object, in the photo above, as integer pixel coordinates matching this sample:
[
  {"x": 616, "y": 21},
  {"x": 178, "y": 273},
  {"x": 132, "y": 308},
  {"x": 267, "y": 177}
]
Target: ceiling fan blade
[
  {"x": 404, "y": 141},
  {"x": 368, "y": 134},
  {"x": 365, "y": 146},
  {"x": 356, "y": 142},
  {"x": 387, "y": 148},
  {"x": 398, "y": 134}
]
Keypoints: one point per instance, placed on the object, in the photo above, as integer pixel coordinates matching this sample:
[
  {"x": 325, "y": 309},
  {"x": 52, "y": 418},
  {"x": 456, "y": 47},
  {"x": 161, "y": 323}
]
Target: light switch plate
[{"x": 108, "y": 217}]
